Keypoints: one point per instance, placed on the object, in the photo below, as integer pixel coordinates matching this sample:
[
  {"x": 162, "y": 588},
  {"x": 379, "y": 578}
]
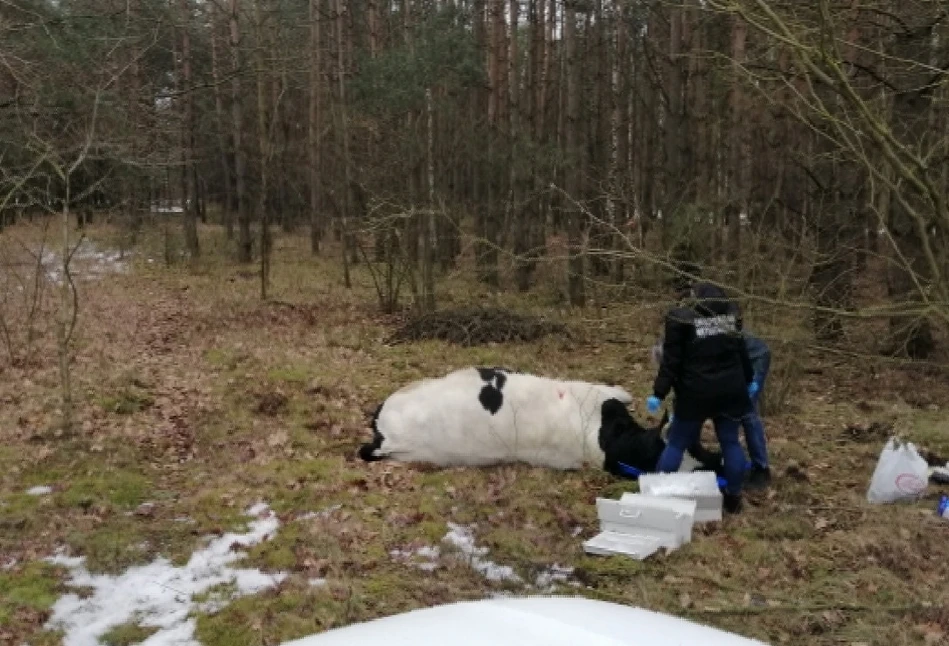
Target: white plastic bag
[{"x": 901, "y": 474}]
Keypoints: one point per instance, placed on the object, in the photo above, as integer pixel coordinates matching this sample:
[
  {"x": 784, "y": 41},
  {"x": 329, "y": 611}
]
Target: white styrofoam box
[
  {"x": 683, "y": 509},
  {"x": 679, "y": 484},
  {"x": 606, "y": 543},
  {"x": 700, "y": 486},
  {"x": 663, "y": 518}
]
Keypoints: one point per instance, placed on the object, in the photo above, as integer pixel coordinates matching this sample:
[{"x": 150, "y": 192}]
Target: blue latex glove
[
  {"x": 653, "y": 403},
  {"x": 752, "y": 388}
]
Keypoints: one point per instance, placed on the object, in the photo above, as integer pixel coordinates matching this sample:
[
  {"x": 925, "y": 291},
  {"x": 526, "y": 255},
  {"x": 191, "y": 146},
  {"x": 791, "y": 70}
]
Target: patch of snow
[
  {"x": 60, "y": 558},
  {"x": 462, "y": 538},
  {"x": 428, "y": 554},
  {"x": 9, "y": 565},
  {"x": 160, "y": 595},
  {"x": 317, "y": 583},
  {"x": 553, "y": 575},
  {"x": 87, "y": 262},
  {"x": 312, "y": 515},
  {"x": 43, "y": 490}
]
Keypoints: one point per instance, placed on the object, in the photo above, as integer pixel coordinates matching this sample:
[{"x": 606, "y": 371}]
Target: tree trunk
[
  {"x": 227, "y": 213},
  {"x": 189, "y": 197},
  {"x": 313, "y": 127},
  {"x": 245, "y": 244},
  {"x": 911, "y": 210},
  {"x": 674, "y": 131},
  {"x": 429, "y": 239},
  {"x": 344, "y": 135},
  {"x": 617, "y": 206},
  {"x": 491, "y": 220},
  {"x": 263, "y": 140},
  {"x": 575, "y": 266},
  {"x": 737, "y": 185}
]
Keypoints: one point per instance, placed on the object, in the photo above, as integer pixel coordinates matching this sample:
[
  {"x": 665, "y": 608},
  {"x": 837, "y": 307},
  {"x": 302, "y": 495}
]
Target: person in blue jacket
[{"x": 760, "y": 475}]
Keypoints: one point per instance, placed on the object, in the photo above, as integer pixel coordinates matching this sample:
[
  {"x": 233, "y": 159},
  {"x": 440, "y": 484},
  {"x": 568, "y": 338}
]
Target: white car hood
[{"x": 528, "y": 621}]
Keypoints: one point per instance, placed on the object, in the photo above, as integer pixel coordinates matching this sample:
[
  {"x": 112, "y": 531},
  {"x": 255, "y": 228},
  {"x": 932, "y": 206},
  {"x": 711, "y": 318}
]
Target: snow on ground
[
  {"x": 160, "y": 595},
  {"x": 39, "y": 491},
  {"x": 88, "y": 262},
  {"x": 461, "y": 538}
]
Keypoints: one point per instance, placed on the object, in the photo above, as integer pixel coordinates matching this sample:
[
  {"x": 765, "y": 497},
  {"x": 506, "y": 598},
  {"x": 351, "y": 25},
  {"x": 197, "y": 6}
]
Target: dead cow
[{"x": 480, "y": 416}]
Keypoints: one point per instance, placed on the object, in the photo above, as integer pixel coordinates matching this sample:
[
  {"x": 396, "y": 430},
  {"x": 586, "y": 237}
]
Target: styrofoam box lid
[
  {"x": 697, "y": 483},
  {"x": 638, "y": 546}
]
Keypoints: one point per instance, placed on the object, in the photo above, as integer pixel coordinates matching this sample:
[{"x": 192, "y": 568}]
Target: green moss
[
  {"x": 615, "y": 568},
  {"x": 127, "y": 634},
  {"x": 615, "y": 490},
  {"x": 112, "y": 548},
  {"x": 289, "y": 374},
  {"x": 130, "y": 397},
  {"x": 34, "y": 586},
  {"x": 122, "y": 488},
  {"x": 928, "y": 431},
  {"x": 785, "y": 527},
  {"x": 47, "y": 638},
  {"x": 270, "y": 618},
  {"x": 125, "y": 403},
  {"x": 227, "y": 359},
  {"x": 278, "y": 553},
  {"x": 433, "y": 531}
]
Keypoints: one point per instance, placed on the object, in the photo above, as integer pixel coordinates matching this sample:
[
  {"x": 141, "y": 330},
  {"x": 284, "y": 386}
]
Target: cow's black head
[
  {"x": 367, "y": 451},
  {"x": 623, "y": 439}
]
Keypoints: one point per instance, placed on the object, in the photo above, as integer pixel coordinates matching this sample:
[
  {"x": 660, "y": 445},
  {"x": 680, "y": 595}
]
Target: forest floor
[{"x": 195, "y": 400}]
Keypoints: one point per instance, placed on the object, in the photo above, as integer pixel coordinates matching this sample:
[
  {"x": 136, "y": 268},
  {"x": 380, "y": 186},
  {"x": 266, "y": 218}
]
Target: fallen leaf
[
  {"x": 277, "y": 439},
  {"x": 685, "y": 600},
  {"x": 145, "y": 510},
  {"x": 821, "y": 523}
]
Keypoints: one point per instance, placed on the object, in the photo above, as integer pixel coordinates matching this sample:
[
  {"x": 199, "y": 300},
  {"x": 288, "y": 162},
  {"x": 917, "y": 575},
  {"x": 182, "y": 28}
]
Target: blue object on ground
[{"x": 630, "y": 471}]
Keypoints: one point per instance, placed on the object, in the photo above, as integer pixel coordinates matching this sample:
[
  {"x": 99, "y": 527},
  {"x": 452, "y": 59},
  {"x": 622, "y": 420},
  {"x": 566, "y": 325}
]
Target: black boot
[
  {"x": 759, "y": 478},
  {"x": 731, "y": 503}
]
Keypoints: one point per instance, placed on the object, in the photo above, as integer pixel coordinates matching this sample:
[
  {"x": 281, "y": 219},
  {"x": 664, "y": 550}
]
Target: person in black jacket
[{"x": 705, "y": 361}]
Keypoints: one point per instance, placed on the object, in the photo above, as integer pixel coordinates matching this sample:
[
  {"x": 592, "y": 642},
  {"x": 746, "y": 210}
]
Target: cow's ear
[{"x": 620, "y": 393}]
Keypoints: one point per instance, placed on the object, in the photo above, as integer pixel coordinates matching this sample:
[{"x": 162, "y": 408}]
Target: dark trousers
[{"x": 683, "y": 433}]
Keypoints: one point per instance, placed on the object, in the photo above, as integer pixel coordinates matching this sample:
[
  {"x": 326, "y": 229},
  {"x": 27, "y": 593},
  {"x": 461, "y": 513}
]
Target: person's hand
[
  {"x": 752, "y": 388},
  {"x": 653, "y": 403}
]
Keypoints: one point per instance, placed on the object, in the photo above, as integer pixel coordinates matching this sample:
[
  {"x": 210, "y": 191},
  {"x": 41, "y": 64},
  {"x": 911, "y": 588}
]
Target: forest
[{"x": 230, "y": 228}]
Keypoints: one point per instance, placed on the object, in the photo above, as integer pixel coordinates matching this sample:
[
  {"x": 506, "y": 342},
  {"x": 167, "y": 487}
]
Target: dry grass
[{"x": 182, "y": 374}]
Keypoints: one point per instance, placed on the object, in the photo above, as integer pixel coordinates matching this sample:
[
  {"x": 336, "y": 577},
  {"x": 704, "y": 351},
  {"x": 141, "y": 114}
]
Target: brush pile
[{"x": 472, "y": 326}]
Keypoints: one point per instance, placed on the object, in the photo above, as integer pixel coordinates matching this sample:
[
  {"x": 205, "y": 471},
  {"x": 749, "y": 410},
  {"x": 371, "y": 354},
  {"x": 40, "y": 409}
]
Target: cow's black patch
[
  {"x": 367, "y": 451},
  {"x": 622, "y": 439},
  {"x": 491, "y": 396}
]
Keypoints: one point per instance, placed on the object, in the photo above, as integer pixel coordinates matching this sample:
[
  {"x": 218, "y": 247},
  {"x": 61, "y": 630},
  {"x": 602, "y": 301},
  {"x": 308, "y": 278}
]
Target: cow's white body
[{"x": 541, "y": 421}]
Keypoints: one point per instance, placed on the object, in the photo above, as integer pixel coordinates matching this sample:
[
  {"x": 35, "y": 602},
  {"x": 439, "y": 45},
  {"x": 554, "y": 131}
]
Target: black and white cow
[{"x": 486, "y": 416}]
